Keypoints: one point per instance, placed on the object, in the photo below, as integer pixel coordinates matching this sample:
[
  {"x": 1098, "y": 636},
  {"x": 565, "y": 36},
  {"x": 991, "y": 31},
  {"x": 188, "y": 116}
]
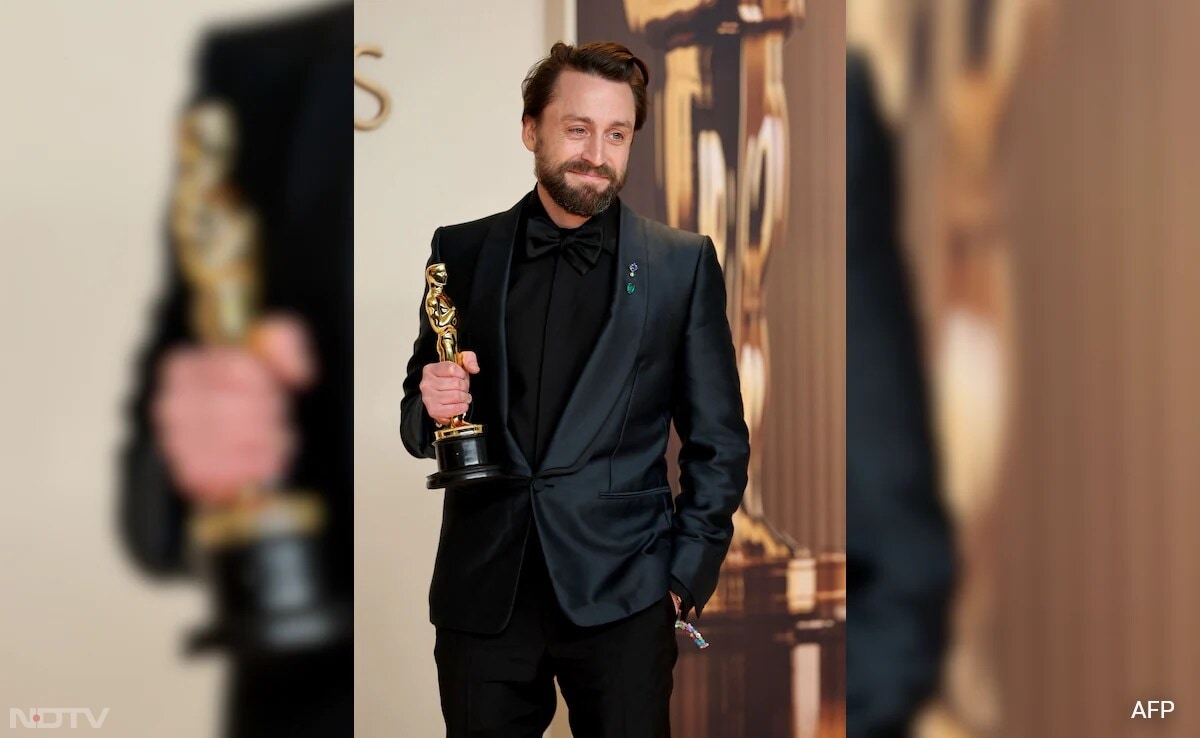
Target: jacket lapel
[
  {"x": 489, "y": 296},
  {"x": 610, "y": 365}
]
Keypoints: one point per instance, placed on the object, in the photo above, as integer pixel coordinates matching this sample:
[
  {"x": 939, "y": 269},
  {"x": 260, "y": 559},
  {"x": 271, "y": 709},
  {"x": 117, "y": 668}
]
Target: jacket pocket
[{"x": 665, "y": 489}]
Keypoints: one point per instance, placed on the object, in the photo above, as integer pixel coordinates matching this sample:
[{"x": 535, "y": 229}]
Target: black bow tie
[{"x": 580, "y": 247}]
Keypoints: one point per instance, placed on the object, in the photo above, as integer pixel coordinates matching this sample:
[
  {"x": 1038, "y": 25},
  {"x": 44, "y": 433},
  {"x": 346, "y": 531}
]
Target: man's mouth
[{"x": 591, "y": 175}]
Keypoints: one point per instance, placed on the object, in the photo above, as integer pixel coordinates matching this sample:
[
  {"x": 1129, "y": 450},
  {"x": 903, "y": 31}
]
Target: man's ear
[{"x": 529, "y": 132}]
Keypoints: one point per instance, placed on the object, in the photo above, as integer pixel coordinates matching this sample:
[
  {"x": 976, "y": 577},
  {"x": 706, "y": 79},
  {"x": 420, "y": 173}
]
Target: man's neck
[{"x": 557, "y": 213}]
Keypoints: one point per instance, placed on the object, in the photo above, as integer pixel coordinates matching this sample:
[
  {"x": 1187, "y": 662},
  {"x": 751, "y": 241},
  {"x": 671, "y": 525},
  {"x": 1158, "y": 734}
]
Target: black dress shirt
[{"x": 553, "y": 319}]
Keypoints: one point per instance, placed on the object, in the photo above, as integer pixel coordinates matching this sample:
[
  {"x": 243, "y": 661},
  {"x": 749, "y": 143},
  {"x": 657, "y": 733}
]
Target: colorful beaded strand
[{"x": 692, "y": 632}]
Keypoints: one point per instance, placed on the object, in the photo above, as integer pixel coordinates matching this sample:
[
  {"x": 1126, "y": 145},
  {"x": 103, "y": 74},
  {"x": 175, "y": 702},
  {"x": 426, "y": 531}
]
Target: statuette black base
[{"x": 462, "y": 460}]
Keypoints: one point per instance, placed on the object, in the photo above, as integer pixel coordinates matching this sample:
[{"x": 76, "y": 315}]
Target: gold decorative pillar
[{"x": 722, "y": 137}]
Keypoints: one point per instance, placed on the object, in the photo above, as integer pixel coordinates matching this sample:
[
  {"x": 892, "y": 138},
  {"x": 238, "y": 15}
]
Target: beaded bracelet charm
[{"x": 692, "y": 632}]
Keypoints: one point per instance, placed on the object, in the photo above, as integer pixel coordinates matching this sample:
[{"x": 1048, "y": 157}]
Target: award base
[
  {"x": 462, "y": 458},
  {"x": 264, "y": 564}
]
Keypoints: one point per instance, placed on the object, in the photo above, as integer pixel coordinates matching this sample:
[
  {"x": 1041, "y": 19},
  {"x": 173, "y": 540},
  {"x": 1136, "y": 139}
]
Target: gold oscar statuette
[{"x": 461, "y": 447}]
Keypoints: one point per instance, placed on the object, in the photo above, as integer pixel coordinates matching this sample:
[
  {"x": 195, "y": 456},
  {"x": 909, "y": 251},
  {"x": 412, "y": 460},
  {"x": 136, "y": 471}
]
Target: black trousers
[
  {"x": 615, "y": 678},
  {"x": 300, "y": 696}
]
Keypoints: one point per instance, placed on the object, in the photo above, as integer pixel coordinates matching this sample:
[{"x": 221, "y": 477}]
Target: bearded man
[{"x": 589, "y": 330}]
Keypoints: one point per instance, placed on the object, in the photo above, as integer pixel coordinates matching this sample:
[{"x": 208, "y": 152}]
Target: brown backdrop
[
  {"x": 801, "y": 438},
  {"x": 1079, "y": 581}
]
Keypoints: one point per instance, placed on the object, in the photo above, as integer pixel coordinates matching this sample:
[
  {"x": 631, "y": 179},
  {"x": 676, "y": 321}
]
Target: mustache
[{"x": 579, "y": 167}]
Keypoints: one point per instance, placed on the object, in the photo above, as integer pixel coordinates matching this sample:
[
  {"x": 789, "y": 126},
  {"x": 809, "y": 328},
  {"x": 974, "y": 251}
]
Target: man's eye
[
  {"x": 618, "y": 136},
  {"x": 577, "y": 130}
]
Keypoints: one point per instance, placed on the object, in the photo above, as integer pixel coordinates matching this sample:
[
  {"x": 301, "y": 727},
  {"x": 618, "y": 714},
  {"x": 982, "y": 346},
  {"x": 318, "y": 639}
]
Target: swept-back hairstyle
[{"x": 605, "y": 59}]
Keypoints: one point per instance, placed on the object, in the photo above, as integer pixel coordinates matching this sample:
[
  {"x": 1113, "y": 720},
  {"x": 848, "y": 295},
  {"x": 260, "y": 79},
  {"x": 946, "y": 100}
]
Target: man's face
[{"x": 581, "y": 142}]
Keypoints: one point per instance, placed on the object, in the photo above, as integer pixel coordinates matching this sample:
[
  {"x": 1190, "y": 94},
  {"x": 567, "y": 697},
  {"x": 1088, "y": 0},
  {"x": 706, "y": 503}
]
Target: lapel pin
[{"x": 633, "y": 268}]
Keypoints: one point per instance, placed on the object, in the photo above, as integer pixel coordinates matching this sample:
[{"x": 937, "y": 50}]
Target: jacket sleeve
[
  {"x": 715, "y": 451},
  {"x": 150, "y": 509},
  {"x": 416, "y": 427}
]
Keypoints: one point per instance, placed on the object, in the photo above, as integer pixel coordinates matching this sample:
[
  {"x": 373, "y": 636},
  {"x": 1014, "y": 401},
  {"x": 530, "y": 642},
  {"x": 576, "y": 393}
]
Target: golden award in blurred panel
[{"x": 259, "y": 554}]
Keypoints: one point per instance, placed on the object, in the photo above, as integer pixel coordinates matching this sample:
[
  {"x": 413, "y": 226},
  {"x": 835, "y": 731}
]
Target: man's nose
[{"x": 593, "y": 152}]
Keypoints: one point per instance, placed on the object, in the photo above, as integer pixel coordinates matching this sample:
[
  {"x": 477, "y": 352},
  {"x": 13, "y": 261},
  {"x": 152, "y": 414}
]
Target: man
[
  {"x": 589, "y": 329},
  {"x": 206, "y": 422}
]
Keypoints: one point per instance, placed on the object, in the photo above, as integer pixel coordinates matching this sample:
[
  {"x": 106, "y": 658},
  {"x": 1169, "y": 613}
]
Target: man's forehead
[{"x": 581, "y": 93}]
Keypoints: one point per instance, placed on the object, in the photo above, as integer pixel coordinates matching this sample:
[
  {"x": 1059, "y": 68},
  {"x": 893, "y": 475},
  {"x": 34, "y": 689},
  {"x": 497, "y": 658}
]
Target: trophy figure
[
  {"x": 461, "y": 447},
  {"x": 260, "y": 554}
]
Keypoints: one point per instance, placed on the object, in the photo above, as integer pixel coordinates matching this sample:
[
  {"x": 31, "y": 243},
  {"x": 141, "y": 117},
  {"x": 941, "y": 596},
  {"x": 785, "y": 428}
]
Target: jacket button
[{"x": 538, "y": 485}]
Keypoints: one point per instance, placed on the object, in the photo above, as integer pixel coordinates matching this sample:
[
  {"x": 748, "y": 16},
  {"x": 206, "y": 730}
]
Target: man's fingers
[
  {"x": 445, "y": 389},
  {"x": 435, "y": 401},
  {"x": 224, "y": 410},
  {"x": 431, "y": 385},
  {"x": 442, "y": 413},
  {"x": 221, "y": 369},
  {"x": 210, "y": 468},
  {"x": 449, "y": 409},
  {"x": 283, "y": 345},
  {"x": 470, "y": 362},
  {"x": 445, "y": 384},
  {"x": 221, "y": 416},
  {"x": 447, "y": 369},
  {"x": 234, "y": 369}
]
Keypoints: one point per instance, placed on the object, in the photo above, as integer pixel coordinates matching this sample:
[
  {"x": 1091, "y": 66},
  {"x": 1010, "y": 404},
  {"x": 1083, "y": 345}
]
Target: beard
[{"x": 584, "y": 201}]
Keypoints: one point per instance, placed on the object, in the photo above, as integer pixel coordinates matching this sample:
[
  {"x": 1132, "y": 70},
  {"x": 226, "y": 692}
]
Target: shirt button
[{"x": 538, "y": 485}]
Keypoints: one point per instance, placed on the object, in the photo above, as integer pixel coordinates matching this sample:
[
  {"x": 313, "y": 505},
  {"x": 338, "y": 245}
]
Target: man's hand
[
  {"x": 445, "y": 387},
  {"x": 220, "y": 414}
]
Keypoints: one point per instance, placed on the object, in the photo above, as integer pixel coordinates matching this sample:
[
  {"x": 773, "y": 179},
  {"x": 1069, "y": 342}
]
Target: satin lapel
[
  {"x": 608, "y": 368},
  {"x": 489, "y": 296}
]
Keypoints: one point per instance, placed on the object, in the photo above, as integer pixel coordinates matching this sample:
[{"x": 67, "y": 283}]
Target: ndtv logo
[{"x": 54, "y": 717}]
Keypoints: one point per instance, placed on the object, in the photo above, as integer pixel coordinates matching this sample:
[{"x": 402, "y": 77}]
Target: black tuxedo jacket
[{"x": 601, "y": 501}]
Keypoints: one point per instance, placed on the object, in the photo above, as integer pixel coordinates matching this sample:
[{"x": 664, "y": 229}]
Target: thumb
[
  {"x": 470, "y": 362},
  {"x": 282, "y": 343}
]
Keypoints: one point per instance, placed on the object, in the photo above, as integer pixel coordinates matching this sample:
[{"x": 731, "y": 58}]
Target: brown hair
[{"x": 605, "y": 59}]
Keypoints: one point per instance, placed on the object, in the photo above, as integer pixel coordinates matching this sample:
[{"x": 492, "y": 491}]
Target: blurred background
[
  {"x": 92, "y": 97},
  {"x": 1021, "y": 184},
  {"x": 1040, "y": 159}
]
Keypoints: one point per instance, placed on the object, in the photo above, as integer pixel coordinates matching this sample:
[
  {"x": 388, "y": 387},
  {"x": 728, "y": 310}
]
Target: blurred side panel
[{"x": 1048, "y": 158}]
